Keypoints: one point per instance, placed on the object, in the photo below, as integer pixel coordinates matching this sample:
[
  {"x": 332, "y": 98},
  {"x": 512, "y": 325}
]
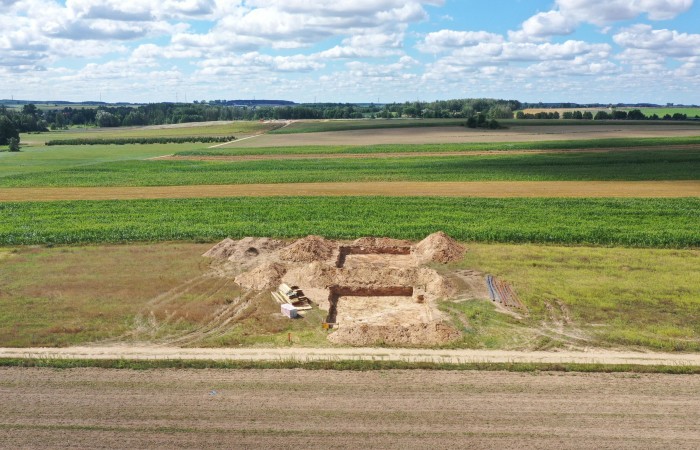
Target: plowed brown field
[
  {"x": 492, "y": 189},
  {"x": 99, "y": 408}
]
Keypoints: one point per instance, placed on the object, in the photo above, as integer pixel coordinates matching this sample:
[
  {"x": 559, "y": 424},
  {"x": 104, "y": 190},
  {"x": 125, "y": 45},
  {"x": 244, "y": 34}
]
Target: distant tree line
[
  {"x": 33, "y": 119},
  {"x": 141, "y": 140},
  {"x": 634, "y": 114}
]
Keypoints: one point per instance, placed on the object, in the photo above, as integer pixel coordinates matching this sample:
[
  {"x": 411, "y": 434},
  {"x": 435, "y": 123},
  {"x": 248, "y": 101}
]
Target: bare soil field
[
  {"x": 447, "y": 135},
  {"x": 100, "y": 408},
  {"x": 490, "y": 189}
]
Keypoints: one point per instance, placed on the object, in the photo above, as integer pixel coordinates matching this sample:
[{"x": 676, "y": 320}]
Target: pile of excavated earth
[{"x": 376, "y": 290}]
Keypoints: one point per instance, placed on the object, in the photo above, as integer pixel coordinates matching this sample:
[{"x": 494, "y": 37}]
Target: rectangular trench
[{"x": 347, "y": 291}]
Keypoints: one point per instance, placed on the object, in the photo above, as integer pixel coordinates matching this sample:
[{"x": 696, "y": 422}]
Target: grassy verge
[
  {"x": 627, "y": 166},
  {"x": 465, "y": 147},
  {"x": 352, "y": 365},
  {"x": 622, "y": 222}
]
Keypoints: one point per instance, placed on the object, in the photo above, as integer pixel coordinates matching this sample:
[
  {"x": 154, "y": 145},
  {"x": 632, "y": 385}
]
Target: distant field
[
  {"x": 613, "y": 143},
  {"x": 690, "y": 112},
  {"x": 642, "y": 165},
  {"x": 519, "y": 131},
  {"x": 179, "y": 130},
  {"x": 52, "y": 159},
  {"x": 623, "y": 222},
  {"x": 317, "y": 126}
]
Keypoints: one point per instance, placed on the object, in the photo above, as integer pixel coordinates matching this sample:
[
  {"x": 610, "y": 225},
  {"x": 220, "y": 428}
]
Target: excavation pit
[
  {"x": 355, "y": 256},
  {"x": 364, "y": 304}
]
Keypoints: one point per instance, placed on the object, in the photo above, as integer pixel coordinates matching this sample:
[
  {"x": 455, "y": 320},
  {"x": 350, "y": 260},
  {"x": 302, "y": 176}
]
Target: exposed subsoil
[
  {"x": 97, "y": 408},
  {"x": 377, "y": 290},
  {"x": 485, "y": 189}
]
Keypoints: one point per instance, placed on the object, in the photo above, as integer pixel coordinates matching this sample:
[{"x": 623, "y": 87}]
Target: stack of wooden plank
[{"x": 292, "y": 296}]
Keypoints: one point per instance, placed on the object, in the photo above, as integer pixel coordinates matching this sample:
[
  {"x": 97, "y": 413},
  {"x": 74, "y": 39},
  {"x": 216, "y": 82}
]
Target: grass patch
[
  {"x": 72, "y": 295},
  {"x": 627, "y": 166},
  {"x": 345, "y": 365},
  {"x": 622, "y": 222},
  {"x": 613, "y": 296},
  {"x": 50, "y": 159},
  {"x": 465, "y": 147}
]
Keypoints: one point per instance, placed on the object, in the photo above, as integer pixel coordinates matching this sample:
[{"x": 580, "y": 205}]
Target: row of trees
[
  {"x": 35, "y": 119},
  {"x": 634, "y": 114}
]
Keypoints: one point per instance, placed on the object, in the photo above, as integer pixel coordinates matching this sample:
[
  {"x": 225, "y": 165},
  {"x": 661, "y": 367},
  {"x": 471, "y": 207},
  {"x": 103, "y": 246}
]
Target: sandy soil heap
[
  {"x": 244, "y": 249},
  {"x": 268, "y": 275},
  {"x": 308, "y": 249},
  {"x": 386, "y": 295},
  {"x": 439, "y": 248}
]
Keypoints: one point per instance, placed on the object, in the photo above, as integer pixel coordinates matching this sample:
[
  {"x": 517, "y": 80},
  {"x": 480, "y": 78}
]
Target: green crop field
[
  {"x": 621, "y": 143},
  {"x": 642, "y": 165},
  {"x": 48, "y": 159},
  {"x": 690, "y": 112},
  {"x": 624, "y": 222}
]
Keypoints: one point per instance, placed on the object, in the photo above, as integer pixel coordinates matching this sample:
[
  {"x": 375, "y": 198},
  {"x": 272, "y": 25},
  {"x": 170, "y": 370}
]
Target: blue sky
[{"x": 351, "y": 51}]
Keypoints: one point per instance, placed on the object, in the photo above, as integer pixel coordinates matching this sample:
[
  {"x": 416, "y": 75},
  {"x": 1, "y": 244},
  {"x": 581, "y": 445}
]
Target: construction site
[{"x": 371, "y": 290}]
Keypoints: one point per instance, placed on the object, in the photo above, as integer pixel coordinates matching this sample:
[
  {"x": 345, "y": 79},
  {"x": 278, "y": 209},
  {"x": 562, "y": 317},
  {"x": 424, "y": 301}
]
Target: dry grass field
[
  {"x": 487, "y": 189},
  {"x": 320, "y": 409}
]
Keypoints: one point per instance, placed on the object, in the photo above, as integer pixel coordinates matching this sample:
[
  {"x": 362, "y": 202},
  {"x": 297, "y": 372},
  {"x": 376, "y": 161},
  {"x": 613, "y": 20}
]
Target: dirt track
[
  {"x": 491, "y": 189},
  {"x": 356, "y": 353},
  {"x": 95, "y": 408},
  {"x": 447, "y": 135}
]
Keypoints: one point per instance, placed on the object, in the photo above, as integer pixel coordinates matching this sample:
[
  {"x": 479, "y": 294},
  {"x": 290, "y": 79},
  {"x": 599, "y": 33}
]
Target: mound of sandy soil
[
  {"x": 439, "y": 248},
  {"x": 308, "y": 249},
  {"x": 222, "y": 250},
  {"x": 382, "y": 242},
  {"x": 416, "y": 334},
  {"x": 435, "y": 285},
  {"x": 315, "y": 275},
  {"x": 266, "y": 276},
  {"x": 244, "y": 249}
]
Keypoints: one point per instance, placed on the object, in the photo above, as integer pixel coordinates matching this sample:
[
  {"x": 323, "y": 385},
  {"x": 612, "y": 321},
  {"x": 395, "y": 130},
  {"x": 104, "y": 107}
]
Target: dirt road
[
  {"x": 491, "y": 189},
  {"x": 97, "y": 408},
  {"x": 380, "y": 354}
]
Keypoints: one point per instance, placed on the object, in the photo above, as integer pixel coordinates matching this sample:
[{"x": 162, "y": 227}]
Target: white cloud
[
  {"x": 444, "y": 40},
  {"x": 569, "y": 14},
  {"x": 660, "y": 42}
]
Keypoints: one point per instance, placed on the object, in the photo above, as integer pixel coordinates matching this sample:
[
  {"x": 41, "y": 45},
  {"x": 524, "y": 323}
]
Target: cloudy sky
[{"x": 351, "y": 50}]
